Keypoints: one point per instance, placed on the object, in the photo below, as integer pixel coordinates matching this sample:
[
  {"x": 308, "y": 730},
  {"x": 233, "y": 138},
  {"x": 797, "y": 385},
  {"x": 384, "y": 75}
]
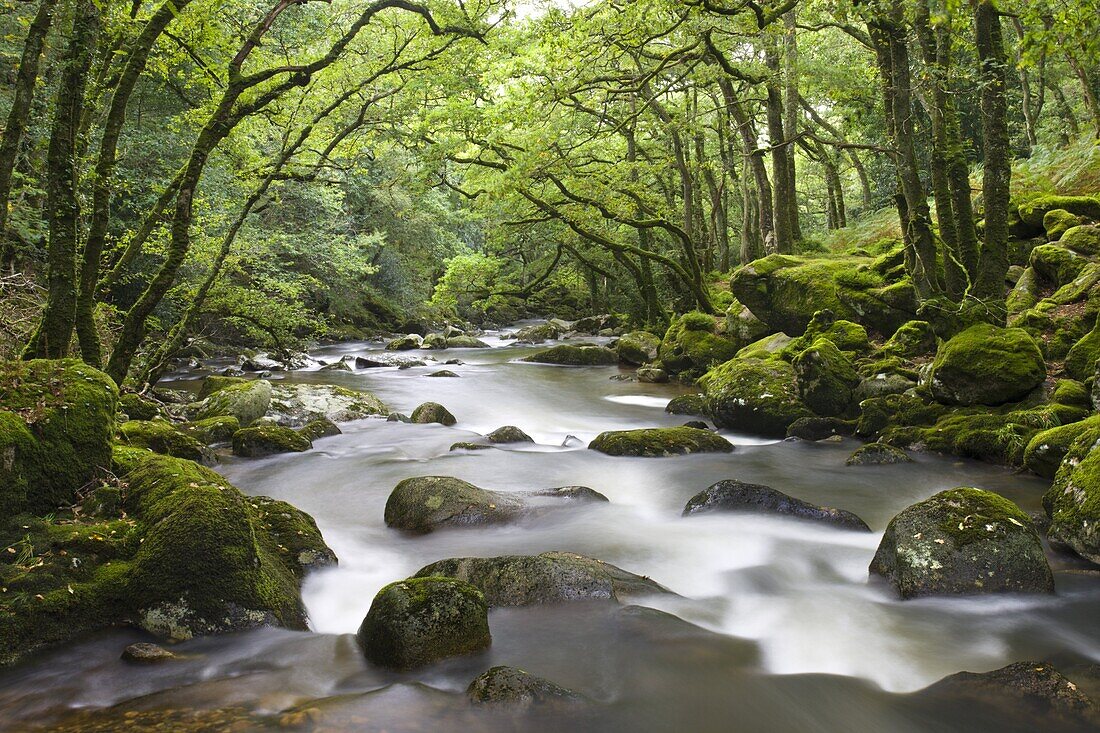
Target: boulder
[
  {"x": 161, "y": 437},
  {"x": 465, "y": 342},
  {"x": 1045, "y": 451},
  {"x": 659, "y": 442},
  {"x": 766, "y": 348},
  {"x": 509, "y": 434},
  {"x": 518, "y": 690},
  {"x": 592, "y": 325},
  {"x": 743, "y": 326},
  {"x": 687, "y": 404},
  {"x": 1057, "y": 222},
  {"x": 1081, "y": 361},
  {"x": 877, "y": 454},
  {"x": 443, "y": 373},
  {"x": 418, "y": 621},
  {"x": 57, "y": 419},
  {"x": 637, "y": 348},
  {"x": 570, "y": 355},
  {"x": 1073, "y": 501},
  {"x": 754, "y": 395},
  {"x": 962, "y": 541},
  {"x": 986, "y": 365},
  {"x": 652, "y": 375},
  {"x": 1084, "y": 240},
  {"x": 691, "y": 345},
  {"x": 266, "y": 440},
  {"x": 295, "y": 405},
  {"x": 826, "y": 378},
  {"x": 913, "y": 338},
  {"x": 434, "y": 341},
  {"x": 819, "y": 428},
  {"x": 216, "y": 382},
  {"x": 469, "y": 445},
  {"x": 552, "y": 577},
  {"x": 337, "y": 366},
  {"x": 880, "y": 385},
  {"x": 212, "y": 429},
  {"x": 1056, "y": 264},
  {"x": 1034, "y": 211},
  {"x": 405, "y": 343},
  {"x": 844, "y": 335},
  {"x": 322, "y": 427},
  {"x": 138, "y": 407},
  {"x": 432, "y": 412},
  {"x": 732, "y": 495},
  {"x": 247, "y": 401},
  {"x": 146, "y": 653},
  {"x": 538, "y": 333}
]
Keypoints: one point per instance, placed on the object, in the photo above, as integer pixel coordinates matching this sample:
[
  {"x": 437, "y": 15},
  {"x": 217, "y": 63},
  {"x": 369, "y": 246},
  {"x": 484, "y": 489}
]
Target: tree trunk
[
  {"x": 790, "y": 113},
  {"x": 779, "y": 150},
  {"x": 997, "y": 170},
  {"x": 1092, "y": 104},
  {"x": 754, "y": 160},
  {"x": 22, "y": 99},
  {"x": 55, "y": 331},
  {"x": 1025, "y": 87}
]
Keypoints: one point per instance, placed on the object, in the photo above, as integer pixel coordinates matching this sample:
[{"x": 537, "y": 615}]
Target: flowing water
[{"x": 786, "y": 630}]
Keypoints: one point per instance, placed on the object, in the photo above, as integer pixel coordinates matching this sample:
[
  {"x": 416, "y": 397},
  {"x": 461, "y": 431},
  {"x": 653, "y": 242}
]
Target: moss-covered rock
[
  {"x": 297, "y": 542},
  {"x": 1025, "y": 294},
  {"x": 295, "y": 405},
  {"x": 658, "y": 442},
  {"x": 422, "y": 503},
  {"x": 877, "y": 454},
  {"x": 552, "y": 577},
  {"x": 1035, "y": 210},
  {"x": 687, "y": 404},
  {"x": 161, "y": 437},
  {"x": 434, "y": 341},
  {"x": 418, "y": 621},
  {"x": 882, "y": 384},
  {"x": 879, "y": 413},
  {"x": 1045, "y": 451},
  {"x": 407, "y": 342},
  {"x": 432, "y": 412},
  {"x": 1084, "y": 240},
  {"x": 692, "y": 345},
  {"x": 1082, "y": 357},
  {"x": 518, "y": 690},
  {"x": 138, "y": 407},
  {"x": 1057, "y": 221},
  {"x": 962, "y": 541},
  {"x": 767, "y": 347},
  {"x": 754, "y": 395},
  {"x": 538, "y": 333},
  {"x": 466, "y": 342},
  {"x": 743, "y": 326},
  {"x": 57, "y": 419},
  {"x": 1056, "y": 264},
  {"x": 266, "y": 440},
  {"x": 509, "y": 434},
  {"x": 826, "y": 378},
  {"x": 321, "y": 427},
  {"x": 732, "y": 495},
  {"x": 212, "y": 429},
  {"x": 986, "y": 365},
  {"x": 1073, "y": 501},
  {"x": 913, "y": 338},
  {"x": 247, "y": 401},
  {"x": 572, "y": 355},
  {"x": 637, "y": 347},
  {"x": 819, "y": 428},
  {"x": 216, "y": 382},
  {"x": 845, "y": 335}
]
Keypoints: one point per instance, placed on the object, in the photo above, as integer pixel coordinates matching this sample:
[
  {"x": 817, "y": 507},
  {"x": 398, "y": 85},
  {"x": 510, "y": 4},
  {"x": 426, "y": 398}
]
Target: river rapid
[{"x": 776, "y": 625}]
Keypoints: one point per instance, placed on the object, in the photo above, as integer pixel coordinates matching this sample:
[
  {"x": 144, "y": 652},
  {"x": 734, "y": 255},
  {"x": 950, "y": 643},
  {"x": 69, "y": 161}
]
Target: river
[{"x": 786, "y": 631}]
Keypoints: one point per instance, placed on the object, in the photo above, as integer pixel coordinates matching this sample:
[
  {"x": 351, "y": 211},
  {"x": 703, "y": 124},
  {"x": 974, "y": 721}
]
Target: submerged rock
[
  {"x": 266, "y": 440},
  {"x": 877, "y": 454},
  {"x": 321, "y": 427},
  {"x": 518, "y": 690},
  {"x": 509, "y": 434},
  {"x": 443, "y": 373},
  {"x": 571, "y": 355},
  {"x": 986, "y": 365},
  {"x": 732, "y": 495},
  {"x": 754, "y": 395},
  {"x": 659, "y": 442},
  {"x": 962, "y": 541},
  {"x": 146, "y": 653},
  {"x": 469, "y": 445},
  {"x": 552, "y": 577},
  {"x": 652, "y": 375},
  {"x": 418, "y": 621},
  {"x": 432, "y": 412}
]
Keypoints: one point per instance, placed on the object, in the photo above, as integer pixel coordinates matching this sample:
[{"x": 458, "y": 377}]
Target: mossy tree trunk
[
  {"x": 55, "y": 331},
  {"x": 754, "y": 161},
  {"x": 779, "y": 150},
  {"x": 791, "y": 113},
  {"x": 18, "y": 115},
  {"x": 997, "y": 170}
]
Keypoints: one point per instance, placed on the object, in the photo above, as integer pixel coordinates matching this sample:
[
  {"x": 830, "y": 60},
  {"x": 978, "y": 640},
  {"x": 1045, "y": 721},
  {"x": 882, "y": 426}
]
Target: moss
[
  {"x": 877, "y": 454},
  {"x": 160, "y": 437},
  {"x": 913, "y": 338},
  {"x": 898, "y": 410},
  {"x": 766, "y": 348},
  {"x": 422, "y": 503},
  {"x": 1032, "y": 212},
  {"x": 138, "y": 407},
  {"x": 1056, "y": 264},
  {"x": 1046, "y": 450},
  {"x": 248, "y": 402},
  {"x": 216, "y": 382},
  {"x": 1083, "y": 240},
  {"x": 754, "y": 395},
  {"x": 434, "y": 341},
  {"x": 466, "y": 342},
  {"x": 637, "y": 347},
  {"x": 266, "y": 440},
  {"x": 687, "y": 404},
  {"x": 1081, "y": 359},
  {"x": 657, "y": 442},
  {"x": 1057, "y": 221},
  {"x": 691, "y": 345},
  {"x": 1071, "y": 392},
  {"x": 56, "y": 433},
  {"x": 987, "y": 365},
  {"x": 432, "y": 412},
  {"x": 320, "y": 427},
  {"x": 292, "y": 534},
  {"x": 845, "y": 335},
  {"x": 570, "y": 355},
  {"x": 420, "y": 620},
  {"x": 826, "y": 378},
  {"x": 1073, "y": 501},
  {"x": 212, "y": 429},
  {"x": 517, "y": 689}
]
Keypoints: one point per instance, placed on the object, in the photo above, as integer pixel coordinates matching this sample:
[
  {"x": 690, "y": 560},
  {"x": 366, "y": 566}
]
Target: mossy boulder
[
  {"x": 518, "y": 690},
  {"x": 321, "y": 427},
  {"x": 962, "y": 541},
  {"x": 1082, "y": 357},
  {"x": 267, "y": 440},
  {"x": 572, "y": 355},
  {"x": 687, "y": 404},
  {"x": 1057, "y": 222},
  {"x": 659, "y": 442},
  {"x": 297, "y": 541},
  {"x": 138, "y": 407},
  {"x": 913, "y": 338},
  {"x": 637, "y": 348},
  {"x": 434, "y": 341},
  {"x": 826, "y": 378},
  {"x": 765, "y": 348},
  {"x": 1056, "y": 264},
  {"x": 552, "y": 577},
  {"x": 1046, "y": 450},
  {"x": 466, "y": 342},
  {"x": 216, "y": 382},
  {"x": 845, "y": 335},
  {"x": 1025, "y": 294},
  {"x": 538, "y": 333},
  {"x": 692, "y": 345},
  {"x": 880, "y": 385},
  {"x": 1033, "y": 211},
  {"x": 877, "y": 454},
  {"x": 1073, "y": 501},
  {"x": 986, "y": 365},
  {"x": 732, "y": 495},
  {"x": 879, "y": 413},
  {"x": 212, "y": 429},
  {"x": 247, "y": 401},
  {"x": 418, "y": 621},
  {"x": 754, "y": 395},
  {"x": 295, "y": 405},
  {"x": 819, "y": 428},
  {"x": 509, "y": 434},
  {"x": 422, "y": 503},
  {"x": 57, "y": 420},
  {"x": 432, "y": 412},
  {"x": 1084, "y": 240},
  {"x": 407, "y": 342},
  {"x": 161, "y": 437}
]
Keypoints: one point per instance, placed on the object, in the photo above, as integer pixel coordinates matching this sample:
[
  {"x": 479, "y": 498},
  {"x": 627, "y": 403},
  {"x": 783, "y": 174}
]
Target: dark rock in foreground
[
  {"x": 518, "y": 690},
  {"x": 659, "y": 442},
  {"x": 420, "y": 620},
  {"x": 732, "y": 495},
  {"x": 552, "y": 577}
]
